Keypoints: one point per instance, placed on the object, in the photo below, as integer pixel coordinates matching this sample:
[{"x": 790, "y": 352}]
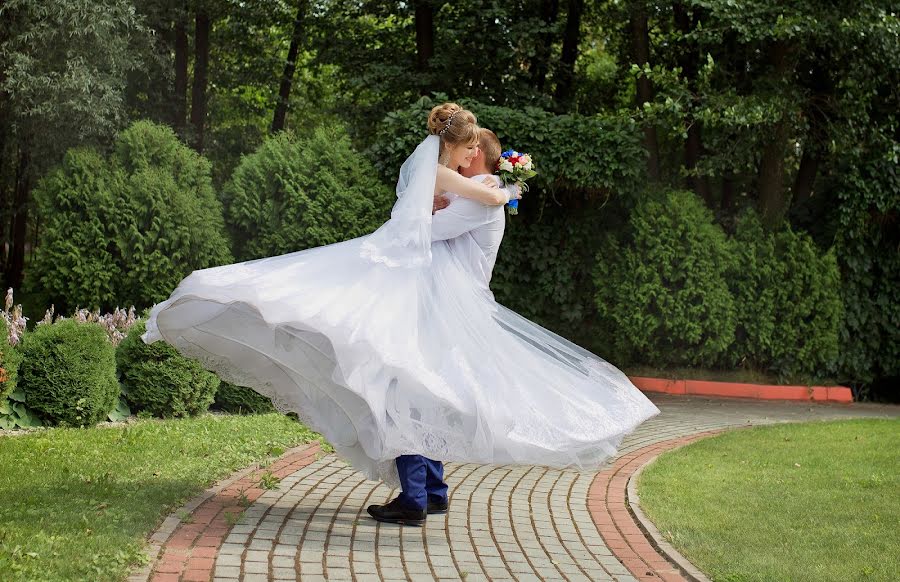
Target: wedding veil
[{"x": 405, "y": 239}]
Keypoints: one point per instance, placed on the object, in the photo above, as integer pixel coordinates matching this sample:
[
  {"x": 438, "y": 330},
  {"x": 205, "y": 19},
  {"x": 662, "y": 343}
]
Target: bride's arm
[{"x": 450, "y": 181}]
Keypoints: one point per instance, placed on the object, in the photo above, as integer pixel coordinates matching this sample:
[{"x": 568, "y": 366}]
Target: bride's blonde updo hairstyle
[{"x": 453, "y": 124}]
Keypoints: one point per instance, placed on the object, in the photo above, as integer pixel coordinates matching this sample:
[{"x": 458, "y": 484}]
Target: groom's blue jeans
[{"x": 421, "y": 480}]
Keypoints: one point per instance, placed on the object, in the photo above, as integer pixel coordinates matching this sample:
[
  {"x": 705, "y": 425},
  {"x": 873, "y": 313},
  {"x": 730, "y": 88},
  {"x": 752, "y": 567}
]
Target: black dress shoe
[
  {"x": 438, "y": 506},
  {"x": 393, "y": 512}
]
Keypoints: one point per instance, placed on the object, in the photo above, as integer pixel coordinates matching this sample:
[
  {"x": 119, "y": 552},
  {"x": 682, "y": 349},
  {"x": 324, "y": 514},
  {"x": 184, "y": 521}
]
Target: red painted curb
[
  {"x": 620, "y": 530},
  {"x": 743, "y": 390}
]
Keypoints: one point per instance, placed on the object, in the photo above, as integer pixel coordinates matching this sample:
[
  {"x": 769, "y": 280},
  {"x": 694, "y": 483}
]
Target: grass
[
  {"x": 78, "y": 504},
  {"x": 815, "y": 501}
]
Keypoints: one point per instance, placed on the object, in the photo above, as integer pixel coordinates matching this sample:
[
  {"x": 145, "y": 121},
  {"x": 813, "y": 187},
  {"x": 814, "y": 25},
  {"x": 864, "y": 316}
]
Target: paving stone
[
  {"x": 228, "y": 560},
  {"x": 228, "y": 571},
  {"x": 282, "y": 562},
  {"x": 285, "y": 550},
  {"x": 256, "y": 567},
  {"x": 505, "y": 522},
  {"x": 257, "y": 556}
]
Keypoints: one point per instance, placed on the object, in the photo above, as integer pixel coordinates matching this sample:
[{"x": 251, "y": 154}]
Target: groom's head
[{"x": 485, "y": 160}]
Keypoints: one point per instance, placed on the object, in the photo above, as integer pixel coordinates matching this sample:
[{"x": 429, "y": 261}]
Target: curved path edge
[
  {"x": 614, "y": 506},
  {"x": 185, "y": 549},
  {"x": 506, "y": 522}
]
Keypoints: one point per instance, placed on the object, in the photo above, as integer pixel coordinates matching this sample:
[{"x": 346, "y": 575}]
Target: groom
[{"x": 423, "y": 491}]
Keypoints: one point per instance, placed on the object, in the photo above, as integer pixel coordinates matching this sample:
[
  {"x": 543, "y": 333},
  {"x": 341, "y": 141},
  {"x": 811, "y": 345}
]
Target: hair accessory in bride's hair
[{"x": 449, "y": 122}]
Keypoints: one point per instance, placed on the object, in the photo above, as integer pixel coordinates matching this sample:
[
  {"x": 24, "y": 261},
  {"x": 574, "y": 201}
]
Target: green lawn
[
  {"x": 815, "y": 501},
  {"x": 77, "y": 504}
]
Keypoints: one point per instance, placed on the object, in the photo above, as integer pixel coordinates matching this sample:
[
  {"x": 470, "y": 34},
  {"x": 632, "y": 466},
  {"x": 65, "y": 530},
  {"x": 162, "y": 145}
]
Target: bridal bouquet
[{"x": 515, "y": 166}]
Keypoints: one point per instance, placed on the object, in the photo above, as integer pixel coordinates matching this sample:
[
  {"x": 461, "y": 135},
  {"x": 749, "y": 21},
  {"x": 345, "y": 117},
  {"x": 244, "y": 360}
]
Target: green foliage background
[
  {"x": 125, "y": 229},
  {"x": 787, "y": 110},
  {"x": 298, "y": 192}
]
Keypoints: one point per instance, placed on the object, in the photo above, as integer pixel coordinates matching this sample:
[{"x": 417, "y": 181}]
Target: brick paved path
[{"x": 504, "y": 523}]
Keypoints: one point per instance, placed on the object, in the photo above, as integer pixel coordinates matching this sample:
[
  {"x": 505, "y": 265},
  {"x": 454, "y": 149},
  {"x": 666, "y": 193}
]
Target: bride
[{"x": 390, "y": 345}]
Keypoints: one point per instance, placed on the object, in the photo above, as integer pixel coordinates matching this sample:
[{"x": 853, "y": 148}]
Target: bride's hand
[
  {"x": 489, "y": 182},
  {"x": 515, "y": 191}
]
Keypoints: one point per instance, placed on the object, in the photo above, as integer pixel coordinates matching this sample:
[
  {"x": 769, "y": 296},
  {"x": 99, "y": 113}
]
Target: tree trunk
[
  {"x": 806, "y": 176},
  {"x": 549, "y": 13},
  {"x": 4, "y": 134},
  {"x": 727, "y": 199},
  {"x": 35, "y": 237},
  {"x": 287, "y": 78},
  {"x": 424, "y": 40},
  {"x": 640, "y": 41},
  {"x": 822, "y": 89},
  {"x": 15, "y": 268},
  {"x": 179, "y": 109},
  {"x": 571, "y": 38},
  {"x": 201, "y": 65},
  {"x": 693, "y": 147},
  {"x": 770, "y": 178},
  {"x": 4, "y": 201},
  {"x": 693, "y": 152}
]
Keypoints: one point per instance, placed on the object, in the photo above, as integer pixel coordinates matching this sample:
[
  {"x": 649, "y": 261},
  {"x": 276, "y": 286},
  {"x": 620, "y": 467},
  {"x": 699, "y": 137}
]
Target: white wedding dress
[{"x": 389, "y": 344}]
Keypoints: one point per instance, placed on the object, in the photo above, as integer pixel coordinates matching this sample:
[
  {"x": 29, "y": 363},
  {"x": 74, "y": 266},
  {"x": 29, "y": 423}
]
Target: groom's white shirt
[{"x": 484, "y": 224}]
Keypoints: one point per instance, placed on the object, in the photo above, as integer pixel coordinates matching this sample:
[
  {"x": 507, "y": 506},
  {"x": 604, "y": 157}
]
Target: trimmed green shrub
[
  {"x": 295, "y": 193},
  {"x": 10, "y": 359},
  {"x": 543, "y": 272},
  {"x": 156, "y": 379},
  {"x": 242, "y": 400},
  {"x": 661, "y": 288},
  {"x": 68, "y": 373},
  {"x": 753, "y": 283},
  {"x": 125, "y": 229},
  {"x": 808, "y": 308},
  {"x": 788, "y": 298}
]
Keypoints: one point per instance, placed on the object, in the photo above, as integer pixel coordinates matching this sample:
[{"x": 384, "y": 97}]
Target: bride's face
[{"x": 461, "y": 155}]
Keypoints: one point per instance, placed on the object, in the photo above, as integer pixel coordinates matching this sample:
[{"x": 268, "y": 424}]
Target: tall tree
[
  {"x": 64, "y": 64},
  {"x": 688, "y": 59},
  {"x": 818, "y": 109},
  {"x": 201, "y": 79},
  {"x": 179, "y": 109},
  {"x": 290, "y": 65},
  {"x": 541, "y": 63},
  {"x": 640, "y": 43},
  {"x": 424, "y": 16},
  {"x": 773, "y": 198},
  {"x": 571, "y": 38}
]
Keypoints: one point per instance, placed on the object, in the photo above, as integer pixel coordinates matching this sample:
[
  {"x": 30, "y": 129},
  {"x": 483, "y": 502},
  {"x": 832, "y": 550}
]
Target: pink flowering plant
[{"x": 515, "y": 167}]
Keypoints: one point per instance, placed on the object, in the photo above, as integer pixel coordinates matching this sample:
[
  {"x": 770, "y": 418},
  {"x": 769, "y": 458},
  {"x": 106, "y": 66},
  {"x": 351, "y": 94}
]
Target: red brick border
[
  {"x": 622, "y": 532},
  {"x": 185, "y": 551},
  {"x": 743, "y": 390}
]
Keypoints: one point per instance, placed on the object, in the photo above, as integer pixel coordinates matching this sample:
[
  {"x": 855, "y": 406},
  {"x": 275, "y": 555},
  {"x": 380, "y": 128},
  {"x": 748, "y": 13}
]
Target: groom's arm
[{"x": 461, "y": 216}]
